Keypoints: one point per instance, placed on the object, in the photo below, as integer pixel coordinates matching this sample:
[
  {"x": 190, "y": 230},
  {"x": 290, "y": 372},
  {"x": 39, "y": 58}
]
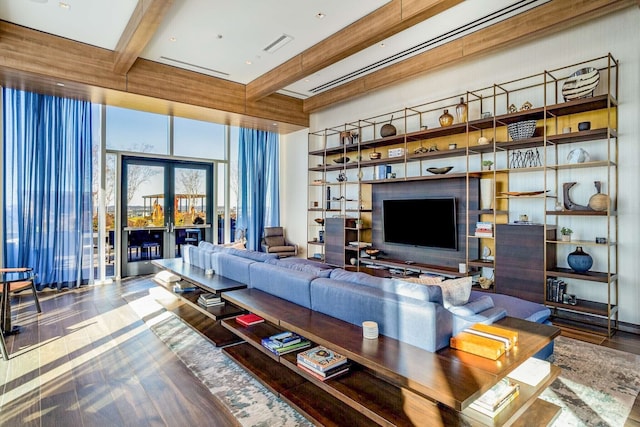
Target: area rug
[
  {"x": 249, "y": 402},
  {"x": 597, "y": 387}
]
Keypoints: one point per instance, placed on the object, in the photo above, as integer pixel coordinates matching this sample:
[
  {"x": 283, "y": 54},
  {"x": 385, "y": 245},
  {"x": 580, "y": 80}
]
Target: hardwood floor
[{"x": 88, "y": 360}]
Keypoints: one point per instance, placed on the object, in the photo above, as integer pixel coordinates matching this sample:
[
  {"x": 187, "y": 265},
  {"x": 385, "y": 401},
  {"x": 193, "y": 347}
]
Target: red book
[{"x": 249, "y": 319}]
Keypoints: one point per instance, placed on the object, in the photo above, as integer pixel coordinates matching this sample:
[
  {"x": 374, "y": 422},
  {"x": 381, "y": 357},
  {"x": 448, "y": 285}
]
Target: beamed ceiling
[{"x": 204, "y": 59}]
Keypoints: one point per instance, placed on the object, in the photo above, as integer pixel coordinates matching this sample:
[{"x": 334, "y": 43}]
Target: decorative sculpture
[{"x": 568, "y": 203}]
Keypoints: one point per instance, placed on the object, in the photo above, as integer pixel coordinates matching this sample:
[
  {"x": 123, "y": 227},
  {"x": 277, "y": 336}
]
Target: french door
[{"x": 166, "y": 205}]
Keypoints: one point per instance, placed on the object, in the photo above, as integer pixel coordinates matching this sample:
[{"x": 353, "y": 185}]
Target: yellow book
[{"x": 478, "y": 345}]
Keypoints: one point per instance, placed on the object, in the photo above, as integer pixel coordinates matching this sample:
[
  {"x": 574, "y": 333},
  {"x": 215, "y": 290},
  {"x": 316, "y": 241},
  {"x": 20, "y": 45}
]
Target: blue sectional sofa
[{"x": 410, "y": 312}]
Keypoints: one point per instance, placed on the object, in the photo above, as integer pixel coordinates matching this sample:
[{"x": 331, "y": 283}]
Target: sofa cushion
[
  {"x": 358, "y": 278},
  {"x": 232, "y": 267},
  {"x": 455, "y": 291},
  {"x": 415, "y": 290},
  {"x": 420, "y": 323},
  {"x": 318, "y": 269},
  {"x": 253, "y": 255},
  {"x": 522, "y": 309},
  {"x": 291, "y": 285},
  {"x": 206, "y": 245},
  {"x": 424, "y": 279},
  {"x": 475, "y": 306}
]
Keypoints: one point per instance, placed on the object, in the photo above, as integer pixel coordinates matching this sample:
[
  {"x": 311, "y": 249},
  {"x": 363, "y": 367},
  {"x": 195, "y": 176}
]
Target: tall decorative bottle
[{"x": 461, "y": 111}]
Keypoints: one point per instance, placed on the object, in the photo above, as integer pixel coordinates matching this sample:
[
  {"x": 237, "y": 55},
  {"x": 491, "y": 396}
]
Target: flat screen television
[{"x": 429, "y": 222}]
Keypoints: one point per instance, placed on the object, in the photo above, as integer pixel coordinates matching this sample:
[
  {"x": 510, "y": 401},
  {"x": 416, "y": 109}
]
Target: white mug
[{"x": 462, "y": 267}]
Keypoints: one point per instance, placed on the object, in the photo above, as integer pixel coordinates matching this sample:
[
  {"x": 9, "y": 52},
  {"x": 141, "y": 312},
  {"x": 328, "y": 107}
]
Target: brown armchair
[{"x": 273, "y": 242}]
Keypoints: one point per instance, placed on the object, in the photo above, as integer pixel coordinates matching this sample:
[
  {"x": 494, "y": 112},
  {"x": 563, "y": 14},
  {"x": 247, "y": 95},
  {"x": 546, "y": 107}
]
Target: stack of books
[
  {"x": 181, "y": 287},
  {"x": 484, "y": 229},
  {"x": 249, "y": 319},
  {"x": 285, "y": 342},
  {"x": 210, "y": 300},
  {"x": 322, "y": 363},
  {"x": 556, "y": 288},
  {"x": 497, "y": 398},
  {"x": 485, "y": 340}
]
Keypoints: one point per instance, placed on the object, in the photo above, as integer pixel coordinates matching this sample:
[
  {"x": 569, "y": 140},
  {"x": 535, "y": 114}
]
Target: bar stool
[{"x": 192, "y": 236}]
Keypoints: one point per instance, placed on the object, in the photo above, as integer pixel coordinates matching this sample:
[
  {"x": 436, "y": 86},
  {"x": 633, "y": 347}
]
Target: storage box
[{"x": 396, "y": 152}]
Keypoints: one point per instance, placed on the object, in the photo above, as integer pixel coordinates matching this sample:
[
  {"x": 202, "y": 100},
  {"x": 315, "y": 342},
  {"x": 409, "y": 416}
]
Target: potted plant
[
  {"x": 566, "y": 234},
  {"x": 486, "y": 165}
]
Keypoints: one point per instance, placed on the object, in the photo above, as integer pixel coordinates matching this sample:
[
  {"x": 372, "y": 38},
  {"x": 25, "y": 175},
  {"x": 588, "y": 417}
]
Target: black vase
[{"x": 579, "y": 261}]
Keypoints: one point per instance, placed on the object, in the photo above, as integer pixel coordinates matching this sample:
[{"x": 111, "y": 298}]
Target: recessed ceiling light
[
  {"x": 247, "y": 62},
  {"x": 275, "y": 124},
  {"x": 60, "y": 84},
  {"x": 172, "y": 39},
  {"x": 383, "y": 45},
  {"x": 320, "y": 15},
  {"x": 64, "y": 5}
]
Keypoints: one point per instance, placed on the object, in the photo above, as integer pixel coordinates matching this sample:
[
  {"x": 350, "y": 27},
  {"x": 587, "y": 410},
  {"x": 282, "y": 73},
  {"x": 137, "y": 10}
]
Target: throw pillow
[
  {"x": 455, "y": 291},
  {"x": 424, "y": 280}
]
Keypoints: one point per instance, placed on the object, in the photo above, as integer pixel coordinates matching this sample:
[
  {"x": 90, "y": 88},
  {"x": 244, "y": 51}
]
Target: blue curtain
[
  {"x": 259, "y": 204},
  {"x": 47, "y": 187}
]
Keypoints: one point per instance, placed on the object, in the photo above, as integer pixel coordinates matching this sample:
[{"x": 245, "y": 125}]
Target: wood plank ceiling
[{"x": 41, "y": 62}]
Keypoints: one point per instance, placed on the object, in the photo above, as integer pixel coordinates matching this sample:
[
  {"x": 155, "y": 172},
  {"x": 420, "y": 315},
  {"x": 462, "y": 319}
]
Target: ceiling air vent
[
  {"x": 177, "y": 61},
  {"x": 278, "y": 43}
]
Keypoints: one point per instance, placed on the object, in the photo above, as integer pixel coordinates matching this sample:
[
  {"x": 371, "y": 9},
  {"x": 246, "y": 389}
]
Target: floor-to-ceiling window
[{"x": 127, "y": 133}]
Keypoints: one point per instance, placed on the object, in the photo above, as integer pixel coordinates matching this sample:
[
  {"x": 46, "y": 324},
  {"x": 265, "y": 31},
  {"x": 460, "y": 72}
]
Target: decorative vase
[
  {"x": 599, "y": 201},
  {"x": 388, "y": 129},
  {"x": 486, "y": 193},
  {"x": 579, "y": 261},
  {"x": 446, "y": 119},
  {"x": 461, "y": 111}
]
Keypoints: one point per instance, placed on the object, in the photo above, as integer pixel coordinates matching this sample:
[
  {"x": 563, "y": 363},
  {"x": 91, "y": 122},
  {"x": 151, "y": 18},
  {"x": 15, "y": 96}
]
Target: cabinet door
[
  {"x": 334, "y": 241},
  {"x": 520, "y": 263}
]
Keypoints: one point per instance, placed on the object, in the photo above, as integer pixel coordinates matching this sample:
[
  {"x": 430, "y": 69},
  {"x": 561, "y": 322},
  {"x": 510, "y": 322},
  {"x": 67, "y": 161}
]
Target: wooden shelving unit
[{"x": 490, "y": 111}]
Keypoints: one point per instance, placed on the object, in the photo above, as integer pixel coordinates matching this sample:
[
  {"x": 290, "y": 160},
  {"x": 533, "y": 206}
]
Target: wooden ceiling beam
[
  {"x": 392, "y": 18},
  {"x": 540, "y": 21},
  {"x": 43, "y": 63},
  {"x": 142, "y": 25}
]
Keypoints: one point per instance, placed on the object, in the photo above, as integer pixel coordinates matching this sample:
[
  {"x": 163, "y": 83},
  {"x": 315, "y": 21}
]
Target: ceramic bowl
[
  {"x": 584, "y": 125},
  {"x": 440, "y": 171},
  {"x": 342, "y": 160},
  {"x": 372, "y": 252},
  {"x": 375, "y": 155}
]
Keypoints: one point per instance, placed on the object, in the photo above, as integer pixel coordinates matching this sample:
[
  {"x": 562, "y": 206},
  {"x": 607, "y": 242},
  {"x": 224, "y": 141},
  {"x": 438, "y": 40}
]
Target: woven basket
[{"x": 521, "y": 130}]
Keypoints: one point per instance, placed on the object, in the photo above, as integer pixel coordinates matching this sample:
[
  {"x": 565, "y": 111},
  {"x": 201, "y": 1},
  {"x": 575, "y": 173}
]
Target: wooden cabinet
[{"x": 520, "y": 260}]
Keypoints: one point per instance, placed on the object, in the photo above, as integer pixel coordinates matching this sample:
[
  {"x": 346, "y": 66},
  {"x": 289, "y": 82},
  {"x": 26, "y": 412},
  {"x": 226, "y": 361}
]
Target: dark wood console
[
  {"x": 205, "y": 320},
  {"x": 390, "y": 382},
  {"x": 409, "y": 267}
]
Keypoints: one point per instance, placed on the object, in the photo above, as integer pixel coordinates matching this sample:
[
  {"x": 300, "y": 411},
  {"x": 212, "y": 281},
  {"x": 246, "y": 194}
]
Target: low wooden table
[
  {"x": 204, "y": 284},
  {"x": 415, "y": 386}
]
